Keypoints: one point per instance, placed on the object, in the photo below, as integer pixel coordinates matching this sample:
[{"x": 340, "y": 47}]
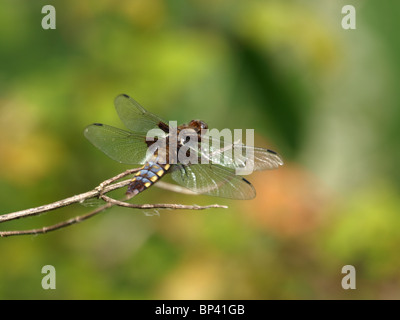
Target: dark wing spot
[
  {"x": 125, "y": 95},
  {"x": 271, "y": 151},
  {"x": 98, "y": 124},
  {"x": 247, "y": 181}
]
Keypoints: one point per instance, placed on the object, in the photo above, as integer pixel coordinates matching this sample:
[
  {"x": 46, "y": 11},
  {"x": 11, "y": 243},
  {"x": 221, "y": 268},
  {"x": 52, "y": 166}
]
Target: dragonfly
[{"x": 215, "y": 178}]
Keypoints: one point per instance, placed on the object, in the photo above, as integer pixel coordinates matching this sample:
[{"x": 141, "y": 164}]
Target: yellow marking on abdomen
[
  {"x": 147, "y": 184},
  {"x": 153, "y": 178},
  {"x": 166, "y": 167},
  {"x": 160, "y": 172}
]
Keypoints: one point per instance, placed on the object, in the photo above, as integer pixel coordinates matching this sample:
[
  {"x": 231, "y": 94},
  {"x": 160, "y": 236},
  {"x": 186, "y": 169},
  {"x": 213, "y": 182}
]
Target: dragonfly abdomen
[{"x": 149, "y": 174}]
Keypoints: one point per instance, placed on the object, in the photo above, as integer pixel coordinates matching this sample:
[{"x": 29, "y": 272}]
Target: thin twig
[
  {"x": 62, "y": 203},
  {"x": 100, "y": 191},
  {"x": 56, "y": 226},
  {"x": 159, "y": 205},
  {"x": 174, "y": 188}
]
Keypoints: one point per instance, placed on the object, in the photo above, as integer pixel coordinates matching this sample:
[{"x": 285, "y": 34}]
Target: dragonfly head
[{"x": 199, "y": 126}]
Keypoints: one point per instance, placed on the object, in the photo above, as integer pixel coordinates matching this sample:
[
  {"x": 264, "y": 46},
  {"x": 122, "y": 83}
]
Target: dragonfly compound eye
[{"x": 198, "y": 124}]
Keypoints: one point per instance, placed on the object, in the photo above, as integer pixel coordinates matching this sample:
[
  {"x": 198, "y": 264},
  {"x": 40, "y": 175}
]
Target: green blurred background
[{"x": 325, "y": 98}]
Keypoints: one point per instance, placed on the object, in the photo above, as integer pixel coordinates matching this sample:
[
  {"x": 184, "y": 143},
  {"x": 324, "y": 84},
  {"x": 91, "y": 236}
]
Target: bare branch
[
  {"x": 56, "y": 226},
  {"x": 100, "y": 191},
  {"x": 62, "y": 203},
  {"x": 160, "y": 205}
]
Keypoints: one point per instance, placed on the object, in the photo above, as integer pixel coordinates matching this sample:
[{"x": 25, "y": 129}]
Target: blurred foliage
[{"x": 323, "y": 97}]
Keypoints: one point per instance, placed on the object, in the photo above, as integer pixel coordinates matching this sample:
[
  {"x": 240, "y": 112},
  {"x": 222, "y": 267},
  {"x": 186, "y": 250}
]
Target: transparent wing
[
  {"x": 213, "y": 180},
  {"x": 237, "y": 155},
  {"x": 134, "y": 116},
  {"x": 120, "y": 145}
]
